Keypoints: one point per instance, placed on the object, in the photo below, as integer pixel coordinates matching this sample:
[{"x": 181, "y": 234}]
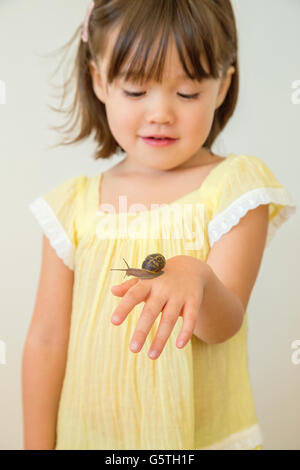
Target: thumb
[{"x": 121, "y": 289}]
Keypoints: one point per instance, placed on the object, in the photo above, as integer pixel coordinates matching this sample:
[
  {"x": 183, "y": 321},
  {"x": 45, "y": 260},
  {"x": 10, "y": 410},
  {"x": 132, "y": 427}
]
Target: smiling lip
[
  {"x": 158, "y": 136},
  {"x": 161, "y": 142}
]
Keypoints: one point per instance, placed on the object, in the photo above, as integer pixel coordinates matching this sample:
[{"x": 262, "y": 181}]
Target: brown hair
[{"x": 198, "y": 26}]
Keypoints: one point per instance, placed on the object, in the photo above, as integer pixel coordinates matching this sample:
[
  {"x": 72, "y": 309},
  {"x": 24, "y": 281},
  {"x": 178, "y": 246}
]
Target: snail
[{"x": 151, "y": 267}]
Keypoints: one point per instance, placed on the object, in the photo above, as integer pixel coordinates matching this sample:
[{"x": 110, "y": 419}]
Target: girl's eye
[
  {"x": 136, "y": 94},
  {"x": 189, "y": 97}
]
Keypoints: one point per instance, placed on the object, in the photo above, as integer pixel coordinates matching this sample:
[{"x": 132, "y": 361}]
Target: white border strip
[
  {"x": 231, "y": 216},
  {"x": 247, "y": 439},
  {"x": 54, "y": 230}
]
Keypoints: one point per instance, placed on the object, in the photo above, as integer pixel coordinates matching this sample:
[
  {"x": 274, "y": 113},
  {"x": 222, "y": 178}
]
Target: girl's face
[{"x": 178, "y": 107}]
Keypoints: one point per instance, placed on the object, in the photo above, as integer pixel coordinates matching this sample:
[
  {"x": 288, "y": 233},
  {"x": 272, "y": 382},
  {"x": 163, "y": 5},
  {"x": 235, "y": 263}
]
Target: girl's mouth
[{"x": 158, "y": 142}]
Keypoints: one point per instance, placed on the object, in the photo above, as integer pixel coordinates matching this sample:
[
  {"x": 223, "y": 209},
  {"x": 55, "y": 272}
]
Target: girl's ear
[
  {"x": 224, "y": 86},
  {"x": 98, "y": 85}
]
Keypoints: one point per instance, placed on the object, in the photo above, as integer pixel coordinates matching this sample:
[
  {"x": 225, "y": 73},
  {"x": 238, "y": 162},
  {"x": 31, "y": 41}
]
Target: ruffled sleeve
[
  {"x": 247, "y": 183},
  {"x": 56, "y": 212}
]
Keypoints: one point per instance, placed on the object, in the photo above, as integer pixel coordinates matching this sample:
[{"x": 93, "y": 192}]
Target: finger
[
  {"x": 168, "y": 320},
  {"x": 150, "y": 312},
  {"x": 120, "y": 289},
  {"x": 133, "y": 296},
  {"x": 189, "y": 315}
]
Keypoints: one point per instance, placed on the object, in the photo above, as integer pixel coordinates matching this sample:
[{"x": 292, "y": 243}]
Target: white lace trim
[
  {"x": 231, "y": 216},
  {"x": 243, "y": 440},
  {"x": 54, "y": 230}
]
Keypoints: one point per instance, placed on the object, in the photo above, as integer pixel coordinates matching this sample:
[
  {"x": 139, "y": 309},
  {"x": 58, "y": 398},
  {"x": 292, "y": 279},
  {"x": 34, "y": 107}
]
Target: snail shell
[
  {"x": 154, "y": 262},
  {"x": 151, "y": 267}
]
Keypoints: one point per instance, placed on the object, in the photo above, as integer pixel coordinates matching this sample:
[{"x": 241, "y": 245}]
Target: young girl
[{"x": 158, "y": 81}]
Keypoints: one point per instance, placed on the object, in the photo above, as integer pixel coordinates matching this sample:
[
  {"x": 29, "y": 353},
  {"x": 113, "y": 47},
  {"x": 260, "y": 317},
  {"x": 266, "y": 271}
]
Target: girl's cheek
[
  {"x": 204, "y": 114},
  {"x": 117, "y": 112},
  {"x": 129, "y": 114}
]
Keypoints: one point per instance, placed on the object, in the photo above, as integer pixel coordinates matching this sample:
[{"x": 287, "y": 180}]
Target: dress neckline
[{"x": 97, "y": 190}]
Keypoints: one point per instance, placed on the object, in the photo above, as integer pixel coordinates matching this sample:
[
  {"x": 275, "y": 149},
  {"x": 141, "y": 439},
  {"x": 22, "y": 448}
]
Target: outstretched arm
[
  {"x": 211, "y": 296},
  {"x": 235, "y": 261}
]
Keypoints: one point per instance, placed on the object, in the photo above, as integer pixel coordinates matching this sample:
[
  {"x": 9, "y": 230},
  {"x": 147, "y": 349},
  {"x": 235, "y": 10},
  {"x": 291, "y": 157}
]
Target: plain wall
[{"x": 265, "y": 124}]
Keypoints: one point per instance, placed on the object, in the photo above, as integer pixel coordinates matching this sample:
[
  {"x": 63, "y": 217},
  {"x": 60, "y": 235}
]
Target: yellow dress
[{"x": 198, "y": 397}]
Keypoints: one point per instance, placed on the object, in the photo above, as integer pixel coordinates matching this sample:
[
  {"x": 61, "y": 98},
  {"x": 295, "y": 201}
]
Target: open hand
[{"x": 178, "y": 292}]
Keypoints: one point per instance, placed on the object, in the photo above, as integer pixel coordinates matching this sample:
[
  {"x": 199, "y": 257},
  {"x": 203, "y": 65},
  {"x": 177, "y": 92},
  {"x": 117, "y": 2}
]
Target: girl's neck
[{"x": 204, "y": 157}]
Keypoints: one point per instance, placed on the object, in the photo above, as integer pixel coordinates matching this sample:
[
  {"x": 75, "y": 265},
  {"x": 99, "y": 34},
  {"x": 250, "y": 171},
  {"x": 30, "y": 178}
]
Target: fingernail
[
  {"x": 115, "y": 318},
  {"x": 180, "y": 343},
  {"x": 153, "y": 354},
  {"x": 134, "y": 346}
]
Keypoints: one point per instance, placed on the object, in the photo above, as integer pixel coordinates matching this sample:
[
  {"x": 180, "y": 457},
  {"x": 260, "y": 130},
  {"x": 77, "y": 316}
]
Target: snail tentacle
[{"x": 152, "y": 267}]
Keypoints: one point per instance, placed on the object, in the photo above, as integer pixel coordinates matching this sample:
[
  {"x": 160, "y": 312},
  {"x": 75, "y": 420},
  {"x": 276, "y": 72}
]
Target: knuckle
[
  {"x": 144, "y": 283},
  {"x": 149, "y": 312},
  {"x": 186, "y": 333},
  {"x": 189, "y": 322},
  {"x": 131, "y": 295},
  {"x": 160, "y": 342},
  {"x": 194, "y": 300},
  {"x": 190, "y": 318},
  {"x": 160, "y": 290},
  {"x": 139, "y": 333},
  {"x": 169, "y": 319}
]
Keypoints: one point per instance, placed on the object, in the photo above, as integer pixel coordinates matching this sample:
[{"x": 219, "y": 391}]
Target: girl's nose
[{"x": 161, "y": 112}]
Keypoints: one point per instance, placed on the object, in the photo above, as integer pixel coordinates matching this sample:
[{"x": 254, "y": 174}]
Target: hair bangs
[{"x": 143, "y": 48}]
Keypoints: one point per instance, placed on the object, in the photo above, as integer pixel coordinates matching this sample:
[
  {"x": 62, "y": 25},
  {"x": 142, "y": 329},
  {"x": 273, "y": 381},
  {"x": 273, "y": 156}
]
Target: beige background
[{"x": 266, "y": 124}]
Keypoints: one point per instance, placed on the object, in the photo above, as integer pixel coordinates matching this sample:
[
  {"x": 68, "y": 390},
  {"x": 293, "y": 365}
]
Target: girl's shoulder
[
  {"x": 241, "y": 172},
  {"x": 56, "y": 212},
  {"x": 239, "y": 184},
  {"x": 70, "y": 186}
]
